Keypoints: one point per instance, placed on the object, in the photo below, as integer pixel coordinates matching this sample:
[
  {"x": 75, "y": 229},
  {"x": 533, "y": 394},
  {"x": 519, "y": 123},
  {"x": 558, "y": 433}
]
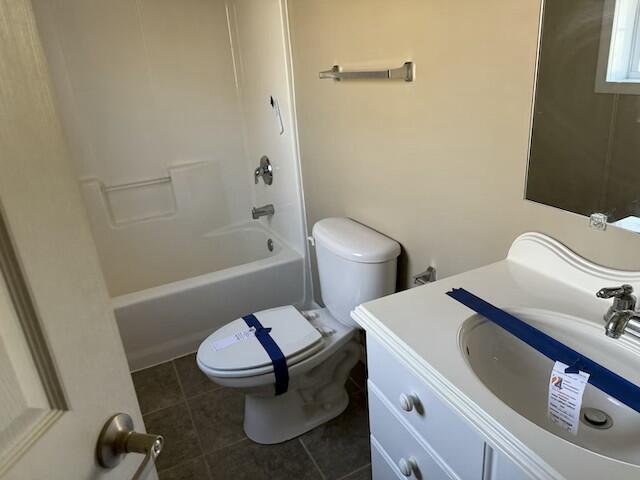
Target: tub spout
[{"x": 257, "y": 212}]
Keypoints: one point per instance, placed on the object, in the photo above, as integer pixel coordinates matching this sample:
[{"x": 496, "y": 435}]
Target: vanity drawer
[
  {"x": 382, "y": 467},
  {"x": 450, "y": 436},
  {"x": 400, "y": 444}
]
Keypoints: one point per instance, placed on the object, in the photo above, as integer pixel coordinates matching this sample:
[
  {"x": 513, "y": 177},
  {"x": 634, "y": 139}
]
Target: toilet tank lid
[{"x": 353, "y": 241}]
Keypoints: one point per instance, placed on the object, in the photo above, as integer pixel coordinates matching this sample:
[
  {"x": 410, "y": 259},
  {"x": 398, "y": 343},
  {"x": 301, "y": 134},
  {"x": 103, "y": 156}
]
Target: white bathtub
[{"x": 233, "y": 274}]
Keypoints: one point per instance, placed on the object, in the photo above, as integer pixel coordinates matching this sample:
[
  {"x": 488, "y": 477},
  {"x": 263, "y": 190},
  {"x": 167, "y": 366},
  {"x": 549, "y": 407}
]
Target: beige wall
[{"x": 438, "y": 164}]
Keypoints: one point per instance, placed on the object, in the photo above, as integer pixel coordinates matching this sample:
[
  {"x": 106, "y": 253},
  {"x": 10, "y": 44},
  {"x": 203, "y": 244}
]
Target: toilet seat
[{"x": 295, "y": 335}]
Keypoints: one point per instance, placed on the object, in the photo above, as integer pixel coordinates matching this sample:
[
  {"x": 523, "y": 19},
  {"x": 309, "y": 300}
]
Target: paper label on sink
[
  {"x": 235, "y": 338},
  {"x": 565, "y": 396}
]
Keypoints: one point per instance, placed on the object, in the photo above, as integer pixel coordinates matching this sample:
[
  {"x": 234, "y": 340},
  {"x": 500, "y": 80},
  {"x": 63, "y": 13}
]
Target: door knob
[{"x": 118, "y": 438}]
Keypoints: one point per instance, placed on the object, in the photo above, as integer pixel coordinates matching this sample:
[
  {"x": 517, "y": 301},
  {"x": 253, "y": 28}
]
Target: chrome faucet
[
  {"x": 257, "y": 212},
  {"x": 622, "y": 316}
]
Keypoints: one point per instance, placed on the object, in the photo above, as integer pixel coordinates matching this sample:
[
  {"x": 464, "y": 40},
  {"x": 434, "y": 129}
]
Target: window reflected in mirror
[{"x": 585, "y": 142}]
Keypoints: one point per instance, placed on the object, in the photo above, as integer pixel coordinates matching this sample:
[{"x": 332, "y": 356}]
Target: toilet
[{"x": 355, "y": 264}]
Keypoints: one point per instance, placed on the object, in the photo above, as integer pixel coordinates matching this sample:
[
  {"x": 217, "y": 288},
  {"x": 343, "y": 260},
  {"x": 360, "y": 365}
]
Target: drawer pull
[
  {"x": 408, "y": 402},
  {"x": 408, "y": 466}
]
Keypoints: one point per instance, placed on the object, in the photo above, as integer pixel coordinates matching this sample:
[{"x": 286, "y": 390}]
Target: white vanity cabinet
[
  {"x": 498, "y": 467},
  {"x": 415, "y": 434},
  {"x": 444, "y": 406}
]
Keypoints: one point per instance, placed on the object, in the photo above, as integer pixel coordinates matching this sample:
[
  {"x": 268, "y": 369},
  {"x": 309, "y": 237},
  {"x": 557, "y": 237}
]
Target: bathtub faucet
[{"x": 257, "y": 212}]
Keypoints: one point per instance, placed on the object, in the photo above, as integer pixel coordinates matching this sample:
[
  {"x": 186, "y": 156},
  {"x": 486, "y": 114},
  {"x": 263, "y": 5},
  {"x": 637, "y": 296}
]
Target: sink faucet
[
  {"x": 257, "y": 212},
  {"x": 622, "y": 316}
]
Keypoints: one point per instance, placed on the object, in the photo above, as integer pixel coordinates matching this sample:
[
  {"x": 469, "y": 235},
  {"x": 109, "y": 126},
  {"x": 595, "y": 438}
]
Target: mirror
[{"x": 585, "y": 141}]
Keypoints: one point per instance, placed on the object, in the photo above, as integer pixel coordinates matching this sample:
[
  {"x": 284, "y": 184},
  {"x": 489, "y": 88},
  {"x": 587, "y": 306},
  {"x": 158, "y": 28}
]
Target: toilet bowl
[
  {"x": 355, "y": 265},
  {"x": 317, "y": 375}
]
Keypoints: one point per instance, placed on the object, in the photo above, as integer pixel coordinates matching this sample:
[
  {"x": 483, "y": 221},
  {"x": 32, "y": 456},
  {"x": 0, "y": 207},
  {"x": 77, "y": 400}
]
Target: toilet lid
[{"x": 293, "y": 333}]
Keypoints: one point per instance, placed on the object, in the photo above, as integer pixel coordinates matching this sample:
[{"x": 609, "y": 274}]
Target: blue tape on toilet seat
[
  {"x": 600, "y": 377},
  {"x": 279, "y": 361}
]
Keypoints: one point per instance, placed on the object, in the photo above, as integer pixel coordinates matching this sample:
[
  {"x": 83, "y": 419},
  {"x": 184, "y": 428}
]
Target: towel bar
[{"x": 405, "y": 72}]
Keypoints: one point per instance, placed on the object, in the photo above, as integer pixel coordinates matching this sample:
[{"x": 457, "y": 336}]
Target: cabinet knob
[
  {"x": 408, "y": 401},
  {"x": 407, "y": 466}
]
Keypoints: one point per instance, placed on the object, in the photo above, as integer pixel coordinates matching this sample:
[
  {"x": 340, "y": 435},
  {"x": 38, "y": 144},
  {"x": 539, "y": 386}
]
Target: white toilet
[{"x": 355, "y": 264}]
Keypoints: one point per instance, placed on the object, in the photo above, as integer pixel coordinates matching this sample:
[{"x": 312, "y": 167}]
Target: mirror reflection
[{"x": 585, "y": 143}]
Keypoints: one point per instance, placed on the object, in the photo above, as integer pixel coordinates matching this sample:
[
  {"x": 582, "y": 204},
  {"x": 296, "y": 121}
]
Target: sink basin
[{"x": 518, "y": 375}]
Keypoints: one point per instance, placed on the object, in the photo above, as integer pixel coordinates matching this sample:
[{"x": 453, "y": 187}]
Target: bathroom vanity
[{"x": 452, "y": 395}]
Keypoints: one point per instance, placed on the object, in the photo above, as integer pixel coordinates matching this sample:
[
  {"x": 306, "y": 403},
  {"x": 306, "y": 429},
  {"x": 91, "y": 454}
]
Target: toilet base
[
  {"x": 281, "y": 419},
  {"x": 315, "y": 398}
]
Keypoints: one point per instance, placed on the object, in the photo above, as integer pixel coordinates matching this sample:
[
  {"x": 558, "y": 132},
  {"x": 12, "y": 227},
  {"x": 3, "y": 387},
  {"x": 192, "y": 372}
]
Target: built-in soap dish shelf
[{"x": 139, "y": 201}]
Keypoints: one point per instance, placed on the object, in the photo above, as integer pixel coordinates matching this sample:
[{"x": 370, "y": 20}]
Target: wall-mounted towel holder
[{"x": 406, "y": 72}]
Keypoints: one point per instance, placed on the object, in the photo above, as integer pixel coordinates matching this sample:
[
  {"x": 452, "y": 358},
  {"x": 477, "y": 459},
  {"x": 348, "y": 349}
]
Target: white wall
[
  {"x": 146, "y": 90},
  {"x": 259, "y": 33},
  {"x": 143, "y": 84}
]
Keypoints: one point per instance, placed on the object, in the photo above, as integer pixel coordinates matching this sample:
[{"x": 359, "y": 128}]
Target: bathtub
[{"x": 239, "y": 270}]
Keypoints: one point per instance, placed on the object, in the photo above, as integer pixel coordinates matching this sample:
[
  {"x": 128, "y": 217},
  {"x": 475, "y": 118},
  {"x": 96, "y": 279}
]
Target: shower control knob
[
  {"x": 264, "y": 171},
  {"x": 408, "y": 401},
  {"x": 408, "y": 466}
]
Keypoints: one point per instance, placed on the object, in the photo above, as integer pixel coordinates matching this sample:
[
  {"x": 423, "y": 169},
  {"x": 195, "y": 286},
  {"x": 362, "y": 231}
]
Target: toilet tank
[{"x": 355, "y": 264}]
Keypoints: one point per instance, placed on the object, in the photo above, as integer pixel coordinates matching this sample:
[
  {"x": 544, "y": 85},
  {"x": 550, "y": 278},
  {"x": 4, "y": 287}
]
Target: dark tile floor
[{"x": 204, "y": 440}]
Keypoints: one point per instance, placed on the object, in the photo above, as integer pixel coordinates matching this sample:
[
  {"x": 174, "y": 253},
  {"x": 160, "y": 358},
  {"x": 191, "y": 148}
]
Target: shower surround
[{"x": 168, "y": 107}]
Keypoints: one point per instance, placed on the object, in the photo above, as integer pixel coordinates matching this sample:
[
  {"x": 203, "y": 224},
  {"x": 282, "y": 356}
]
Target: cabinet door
[
  {"x": 381, "y": 466},
  {"x": 398, "y": 442},
  {"x": 498, "y": 466},
  {"x": 455, "y": 441}
]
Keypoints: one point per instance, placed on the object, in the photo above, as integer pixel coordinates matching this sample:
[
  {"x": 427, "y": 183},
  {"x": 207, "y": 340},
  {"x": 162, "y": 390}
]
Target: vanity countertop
[{"x": 422, "y": 325}]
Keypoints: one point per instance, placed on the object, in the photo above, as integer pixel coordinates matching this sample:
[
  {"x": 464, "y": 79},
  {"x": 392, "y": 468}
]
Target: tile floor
[{"x": 204, "y": 440}]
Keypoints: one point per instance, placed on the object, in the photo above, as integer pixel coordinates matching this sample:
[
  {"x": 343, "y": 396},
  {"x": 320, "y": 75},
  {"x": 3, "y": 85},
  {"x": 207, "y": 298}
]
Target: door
[{"x": 62, "y": 366}]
